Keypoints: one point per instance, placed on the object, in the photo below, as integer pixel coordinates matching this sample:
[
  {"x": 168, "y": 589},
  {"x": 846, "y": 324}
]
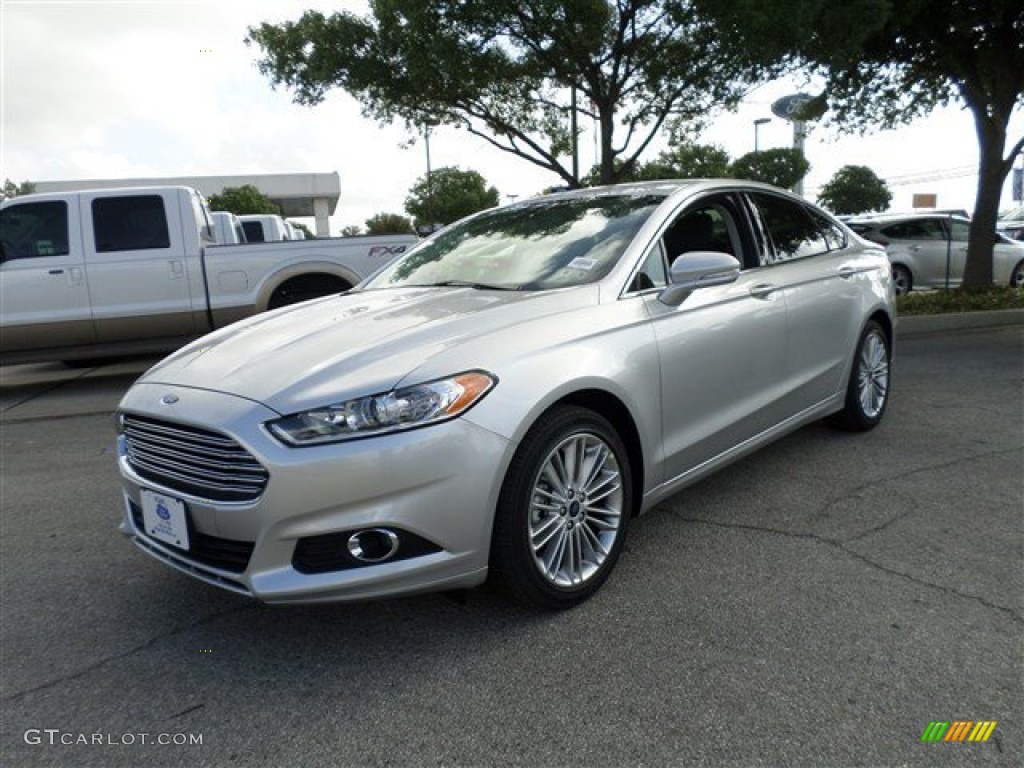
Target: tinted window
[
  {"x": 834, "y": 236},
  {"x": 652, "y": 273},
  {"x": 918, "y": 229},
  {"x": 961, "y": 229},
  {"x": 791, "y": 230},
  {"x": 34, "y": 229},
  {"x": 253, "y": 231},
  {"x": 134, "y": 223}
]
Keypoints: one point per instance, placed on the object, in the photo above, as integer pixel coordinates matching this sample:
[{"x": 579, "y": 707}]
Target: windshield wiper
[{"x": 470, "y": 284}]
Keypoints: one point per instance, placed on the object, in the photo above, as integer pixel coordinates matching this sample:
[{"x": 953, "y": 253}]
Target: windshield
[{"x": 537, "y": 245}]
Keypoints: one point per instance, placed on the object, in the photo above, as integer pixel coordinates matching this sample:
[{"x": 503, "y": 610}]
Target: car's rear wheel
[
  {"x": 1017, "y": 276},
  {"x": 867, "y": 393},
  {"x": 564, "y": 509},
  {"x": 902, "y": 280}
]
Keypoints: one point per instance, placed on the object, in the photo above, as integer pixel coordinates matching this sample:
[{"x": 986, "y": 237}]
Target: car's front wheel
[
  {"x": 564, "y": 509},
  {"x": 867, "y": 392}
]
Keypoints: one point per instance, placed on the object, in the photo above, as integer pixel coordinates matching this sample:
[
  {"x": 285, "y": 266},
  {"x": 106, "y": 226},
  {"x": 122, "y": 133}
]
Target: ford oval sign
[{"x": 799, "y": 107}]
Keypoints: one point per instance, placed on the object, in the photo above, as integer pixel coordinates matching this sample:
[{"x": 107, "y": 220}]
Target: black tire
[
  {"x": 869, "y": 387},
  {"x": 1017, "y": 276},
  {"x": 902, "y": 279},
  {"x": 304, "y": 288},
  {"x": 569, "y": 518}
]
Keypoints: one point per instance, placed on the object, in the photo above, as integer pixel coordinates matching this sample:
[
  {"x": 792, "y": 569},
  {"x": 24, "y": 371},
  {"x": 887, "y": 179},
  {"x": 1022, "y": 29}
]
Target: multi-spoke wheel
[
  {"x": 564, "y": 509},
  {"x": 867, "y": 393}
]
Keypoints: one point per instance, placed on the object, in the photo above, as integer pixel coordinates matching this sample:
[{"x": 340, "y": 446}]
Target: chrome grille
[{"x": 194, "y": 461}]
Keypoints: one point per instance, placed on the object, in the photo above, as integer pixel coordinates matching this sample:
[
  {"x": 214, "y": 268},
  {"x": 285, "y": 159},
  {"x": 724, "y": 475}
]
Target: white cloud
[{"x": 100, "y": 89}]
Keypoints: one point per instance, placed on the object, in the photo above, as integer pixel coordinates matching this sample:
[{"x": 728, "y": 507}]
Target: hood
[{"x": 352, "y": 345}]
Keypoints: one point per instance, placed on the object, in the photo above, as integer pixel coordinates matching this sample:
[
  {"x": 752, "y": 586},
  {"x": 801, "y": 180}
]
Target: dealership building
[{"x": 299, "y": 194}]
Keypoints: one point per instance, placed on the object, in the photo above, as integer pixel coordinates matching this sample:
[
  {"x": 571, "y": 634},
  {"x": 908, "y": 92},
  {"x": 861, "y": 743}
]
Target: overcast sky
[{"x": 133, "y": 88}]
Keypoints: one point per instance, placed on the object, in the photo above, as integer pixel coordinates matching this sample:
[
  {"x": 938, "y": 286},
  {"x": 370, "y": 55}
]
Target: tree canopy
[
  {"x": 504, "y": 70},
  {"x": 448, "y": 194},
  {"x": 782, "y": 167},
  {"x": 388, "y": 224},
  {"x": 855, "y": 189},
  {"x": 13, "y": 189},
  {"x": 243, "y": 200},
  {"x": 887, "y": 62}
]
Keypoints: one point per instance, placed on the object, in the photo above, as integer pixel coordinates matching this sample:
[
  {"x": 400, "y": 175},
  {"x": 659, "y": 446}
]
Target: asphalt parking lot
[{"x": 817, "y": 604}]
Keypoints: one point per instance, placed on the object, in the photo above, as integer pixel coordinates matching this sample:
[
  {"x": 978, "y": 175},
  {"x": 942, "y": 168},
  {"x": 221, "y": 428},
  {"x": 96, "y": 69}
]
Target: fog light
[{"x": 374, "y": 545}]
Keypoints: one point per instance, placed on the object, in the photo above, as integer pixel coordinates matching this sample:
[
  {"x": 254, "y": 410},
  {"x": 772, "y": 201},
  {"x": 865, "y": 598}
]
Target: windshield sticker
[{"x": 582, "y": 262}]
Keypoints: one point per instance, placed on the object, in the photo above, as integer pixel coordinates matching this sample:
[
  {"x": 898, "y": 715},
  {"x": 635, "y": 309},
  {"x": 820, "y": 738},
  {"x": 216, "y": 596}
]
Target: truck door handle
[
  {"x": 847, "y": 272},
  {"x": 56, "y": 272},
  {"x": 762, "y": 290}
]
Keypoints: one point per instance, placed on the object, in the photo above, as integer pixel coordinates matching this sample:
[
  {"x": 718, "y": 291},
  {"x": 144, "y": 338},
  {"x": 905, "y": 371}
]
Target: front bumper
[{"x": 438, "y": 484}]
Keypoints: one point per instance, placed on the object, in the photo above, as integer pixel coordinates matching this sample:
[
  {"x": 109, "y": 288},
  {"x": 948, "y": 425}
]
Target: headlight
[{"x": 406, "y": 408}]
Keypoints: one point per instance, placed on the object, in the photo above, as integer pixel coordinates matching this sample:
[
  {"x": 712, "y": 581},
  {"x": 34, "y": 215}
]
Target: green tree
[
  {"x": 388, "y": 224},
  {"x": 303, "y": 228},
  {"x": 504, "y": 70},
  {"x": 12, "y": 189},
  {"x": 782, "y": 167},
  {"x": 351, "y": 230},
  {"x": 688, "y": 161},
  {"x": 448, "y": 194},
  {"x": 243, "y": 200},
  {"x": 890, "y": 61},
  {"x": 855, "y": 189}
]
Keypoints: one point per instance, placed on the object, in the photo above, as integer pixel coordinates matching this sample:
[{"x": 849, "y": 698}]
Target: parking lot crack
[
  {"x": 101, "y": 663},
  {"x": 842, "y": 546}
]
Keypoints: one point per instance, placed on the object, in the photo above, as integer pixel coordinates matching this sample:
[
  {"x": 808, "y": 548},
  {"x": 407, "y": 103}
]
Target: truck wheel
[{"x": 304, "y": 288}]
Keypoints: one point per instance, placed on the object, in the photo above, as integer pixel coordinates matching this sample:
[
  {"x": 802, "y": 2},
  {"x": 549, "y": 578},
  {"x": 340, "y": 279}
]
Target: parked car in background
[
  {"x": 930, "y": 251},
  {"x": 1011, "y": 223},
  {"x": 227, "y": 228},
  {"x": 506, "y": 396},
  {"x": 107, "y": 272},
  {"x": 265, "y": 228}
]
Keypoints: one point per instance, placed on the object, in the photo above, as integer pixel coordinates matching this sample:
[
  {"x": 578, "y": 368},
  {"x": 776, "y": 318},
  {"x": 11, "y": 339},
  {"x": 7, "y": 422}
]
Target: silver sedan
[{"x": 502, "y": 400}]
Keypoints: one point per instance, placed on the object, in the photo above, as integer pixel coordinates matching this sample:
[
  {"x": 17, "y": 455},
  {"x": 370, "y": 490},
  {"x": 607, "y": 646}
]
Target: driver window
[{"x": 706, "y": 228}]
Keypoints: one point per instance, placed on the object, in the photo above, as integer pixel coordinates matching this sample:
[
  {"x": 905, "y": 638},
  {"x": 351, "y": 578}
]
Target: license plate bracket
[{"x": 165, "y": 518}]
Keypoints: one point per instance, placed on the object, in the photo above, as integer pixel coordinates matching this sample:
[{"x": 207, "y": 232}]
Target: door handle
[
  {"x": 762, "y": 290},
  {"x": 56, "y": 272},
  {"x": 847, "y": 272},
  {"x": 915, "y": 247}
]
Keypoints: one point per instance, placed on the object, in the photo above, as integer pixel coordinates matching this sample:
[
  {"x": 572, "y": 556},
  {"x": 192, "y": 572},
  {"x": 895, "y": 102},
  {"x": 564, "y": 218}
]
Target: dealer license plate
[{"x": 164, "y": 518}]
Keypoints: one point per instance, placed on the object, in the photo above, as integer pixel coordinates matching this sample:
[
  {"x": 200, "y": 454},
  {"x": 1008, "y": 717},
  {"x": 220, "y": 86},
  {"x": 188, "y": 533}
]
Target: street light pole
[{"x": 757, "y": 125}]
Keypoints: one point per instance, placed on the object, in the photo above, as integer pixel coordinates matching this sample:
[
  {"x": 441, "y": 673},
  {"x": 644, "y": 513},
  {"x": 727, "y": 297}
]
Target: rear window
[
  {"x": 134, "y": 223},
  {"x": 28, "y": 230},
  {"x": 917, "y": 229},
  {"x": 253, "y": 231}
]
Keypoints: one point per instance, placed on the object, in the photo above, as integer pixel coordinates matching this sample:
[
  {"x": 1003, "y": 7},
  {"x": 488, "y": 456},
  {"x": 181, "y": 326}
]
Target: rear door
[
  {"x": 44, "y": 295},
  {"x": 806, "y": 258},
  {"x": 136, "y": 263}
]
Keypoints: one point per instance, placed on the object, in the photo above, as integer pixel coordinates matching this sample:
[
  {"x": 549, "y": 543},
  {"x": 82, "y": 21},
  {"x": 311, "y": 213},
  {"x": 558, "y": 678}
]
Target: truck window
[
  {"x": 253, "y": 231},
  {"x": 133, "y": 223},
  {"x": 34, "y": 229}
]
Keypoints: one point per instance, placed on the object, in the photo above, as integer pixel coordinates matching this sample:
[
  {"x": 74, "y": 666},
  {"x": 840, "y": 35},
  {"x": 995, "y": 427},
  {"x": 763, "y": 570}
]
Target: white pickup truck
[{"x": 107, "y": 272}]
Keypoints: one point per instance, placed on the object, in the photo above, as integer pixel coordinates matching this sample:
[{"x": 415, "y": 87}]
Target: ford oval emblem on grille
[{"x": 169, "y": 399}]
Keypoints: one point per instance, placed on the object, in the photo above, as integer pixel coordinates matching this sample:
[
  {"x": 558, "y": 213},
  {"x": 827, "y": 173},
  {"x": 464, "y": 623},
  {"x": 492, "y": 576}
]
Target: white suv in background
[{"x": 929, "y": 250}]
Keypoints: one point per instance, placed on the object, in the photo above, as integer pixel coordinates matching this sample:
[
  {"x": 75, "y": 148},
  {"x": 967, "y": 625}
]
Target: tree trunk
[
  {"x": 607, "y": 120},
  {"x": 992, "y": 170}
]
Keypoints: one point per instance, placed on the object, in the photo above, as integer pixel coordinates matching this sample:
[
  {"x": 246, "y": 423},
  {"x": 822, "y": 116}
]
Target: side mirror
[{"x": 698, "y": 269}]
